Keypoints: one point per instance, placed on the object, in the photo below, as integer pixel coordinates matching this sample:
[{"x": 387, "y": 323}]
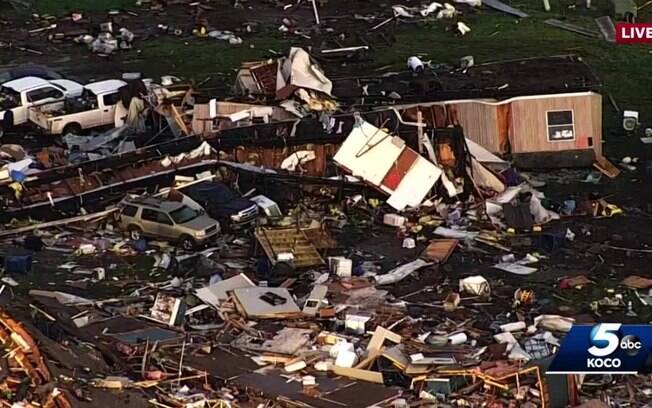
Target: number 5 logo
[{"x": 604, "y": 339}]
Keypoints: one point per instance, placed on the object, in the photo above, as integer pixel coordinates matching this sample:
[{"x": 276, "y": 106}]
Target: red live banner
[{"x": 633, "y": 33}]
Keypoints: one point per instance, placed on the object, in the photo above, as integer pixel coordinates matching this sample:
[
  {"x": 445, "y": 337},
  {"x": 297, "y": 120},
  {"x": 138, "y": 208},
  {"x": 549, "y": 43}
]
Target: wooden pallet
[{"x": 275, "y": 241}]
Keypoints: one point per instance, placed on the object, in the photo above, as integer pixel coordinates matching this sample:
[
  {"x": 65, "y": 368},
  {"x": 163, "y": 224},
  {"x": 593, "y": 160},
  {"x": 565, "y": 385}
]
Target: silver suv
[{"x": 169, "y": 220}]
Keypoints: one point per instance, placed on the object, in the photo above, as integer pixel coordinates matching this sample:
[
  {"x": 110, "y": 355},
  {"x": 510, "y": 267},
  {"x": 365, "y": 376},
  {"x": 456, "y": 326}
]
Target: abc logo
[{"x": 605, "y": 339}]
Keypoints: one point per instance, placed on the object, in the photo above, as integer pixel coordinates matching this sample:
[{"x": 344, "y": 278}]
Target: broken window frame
[
  {"x": 111, "y": 99},
  {"x": 560, "y": 126}
]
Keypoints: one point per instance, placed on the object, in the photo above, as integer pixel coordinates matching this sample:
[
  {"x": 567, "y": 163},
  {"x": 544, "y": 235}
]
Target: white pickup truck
[
  {"x": 17, "y": 96},
  {"x": 94, "y": 108}
]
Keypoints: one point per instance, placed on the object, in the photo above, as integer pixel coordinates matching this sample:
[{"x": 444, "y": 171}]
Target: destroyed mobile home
[{"x": 308, "y": 249}]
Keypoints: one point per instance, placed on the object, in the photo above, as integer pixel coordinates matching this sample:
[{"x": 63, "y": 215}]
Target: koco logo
[{"x": 605, "y": 340}]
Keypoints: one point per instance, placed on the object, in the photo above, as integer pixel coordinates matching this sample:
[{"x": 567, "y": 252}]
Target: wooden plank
[
  {"x": 179, "y": 120},
  {"x": 358, "y": 374},
  {"x": 371, "y": 357},
  {"x": 380, "y": 335},
  {"x": 605, "y": 166},
  {"x": 440, "y": 249}
]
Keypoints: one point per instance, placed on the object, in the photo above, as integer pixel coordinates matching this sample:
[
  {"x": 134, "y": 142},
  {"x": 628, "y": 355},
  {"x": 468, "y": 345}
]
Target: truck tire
[
  {"x": 187, "y": 242},
  {"x": 135, "y": 233},
  {"x": 74, "y": 128},
  {"x": 8, "y": 120}
]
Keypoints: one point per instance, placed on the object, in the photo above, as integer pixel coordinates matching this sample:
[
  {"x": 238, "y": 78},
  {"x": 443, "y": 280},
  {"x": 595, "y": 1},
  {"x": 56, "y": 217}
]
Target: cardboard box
[{"x": 340, "y": 266}]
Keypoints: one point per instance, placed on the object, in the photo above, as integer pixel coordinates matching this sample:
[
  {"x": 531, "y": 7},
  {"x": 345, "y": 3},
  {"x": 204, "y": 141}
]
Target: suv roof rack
[{"x": 150, "y": 201}]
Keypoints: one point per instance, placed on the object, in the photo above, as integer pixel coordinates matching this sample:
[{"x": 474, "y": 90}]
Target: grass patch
[
  {"x": 60, "y": 7},
  {"x": 197, "y": 58}
]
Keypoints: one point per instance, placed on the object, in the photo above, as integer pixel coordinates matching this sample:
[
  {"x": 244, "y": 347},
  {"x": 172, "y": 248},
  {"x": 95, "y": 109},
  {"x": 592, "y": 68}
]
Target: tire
[
  {"x": 187, "y": 242},
  {"x": 8, "y": 120},
  {"x": 74, "y": 128},
  {"x": 135, "y": 232}
]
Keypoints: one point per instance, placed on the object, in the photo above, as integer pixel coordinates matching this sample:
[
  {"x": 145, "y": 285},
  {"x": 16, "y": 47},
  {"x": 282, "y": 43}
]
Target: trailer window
[{"x": 560, "y": 125}]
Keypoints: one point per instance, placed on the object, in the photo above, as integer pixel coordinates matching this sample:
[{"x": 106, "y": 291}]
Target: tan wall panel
[
  {"x": 480, "y": 123},
  {"x": 529, "y": 125}
]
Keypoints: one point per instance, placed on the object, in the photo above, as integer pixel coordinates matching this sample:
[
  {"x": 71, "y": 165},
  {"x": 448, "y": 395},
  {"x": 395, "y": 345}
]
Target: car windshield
[
  {"x": 184, "y": 214},
  {"x": 60, "y": 87}
]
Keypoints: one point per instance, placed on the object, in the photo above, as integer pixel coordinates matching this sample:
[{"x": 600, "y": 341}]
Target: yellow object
[
  {"x": 18, "y": 189},
  {"x": 601, "y": 208},
  {"x": 612, "y": 210},
  {"x": 524, "y": 296}
]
